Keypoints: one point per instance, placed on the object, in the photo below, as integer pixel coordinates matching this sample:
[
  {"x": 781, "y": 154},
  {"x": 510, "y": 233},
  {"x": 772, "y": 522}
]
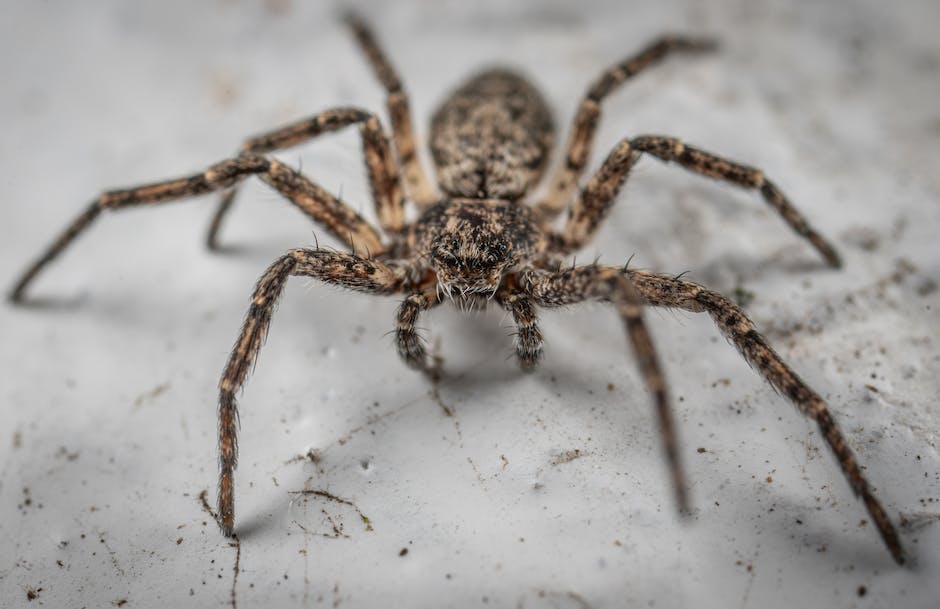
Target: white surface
[{"x": 108, "y": 389}]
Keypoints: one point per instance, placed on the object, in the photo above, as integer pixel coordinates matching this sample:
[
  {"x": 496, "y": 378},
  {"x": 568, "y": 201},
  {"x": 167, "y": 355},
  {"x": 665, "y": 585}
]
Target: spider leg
[
  {"x": 410, "y": 347},
  {"x": 334, "y": 214},
  {"x": 598, "y": 196},
  {"x": 579, "y": 284},
  {"x": 419, "y": 187},
  {"x": 528, "y": 334},
  {"x": 380, "y": 165},
  {"x": 345, "y": 270},
  {"x": 564, "y": 182},
  {"x": 665, "y": 291}
]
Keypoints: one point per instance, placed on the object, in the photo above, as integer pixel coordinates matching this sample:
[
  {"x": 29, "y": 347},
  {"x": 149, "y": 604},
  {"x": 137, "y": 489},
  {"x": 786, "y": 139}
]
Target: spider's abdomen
[{"x": 492, "y": 137}]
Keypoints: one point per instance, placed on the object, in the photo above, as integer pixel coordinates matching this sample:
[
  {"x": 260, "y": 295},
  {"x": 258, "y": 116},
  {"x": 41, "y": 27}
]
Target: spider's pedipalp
[
  {"x": 410, "y": 347},
  {"x": 528, "y": 335}
]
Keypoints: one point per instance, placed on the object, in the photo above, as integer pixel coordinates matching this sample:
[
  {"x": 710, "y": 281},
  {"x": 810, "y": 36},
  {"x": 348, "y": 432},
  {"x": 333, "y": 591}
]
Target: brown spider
[{"x": 480, "y": 241}]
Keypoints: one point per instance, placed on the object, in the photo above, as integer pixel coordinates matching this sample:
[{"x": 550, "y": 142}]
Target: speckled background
[{"x": 543, "y": 490}]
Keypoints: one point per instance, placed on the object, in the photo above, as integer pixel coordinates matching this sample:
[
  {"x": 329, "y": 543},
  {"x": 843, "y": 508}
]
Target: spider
[{"x": 482, "y": 241}]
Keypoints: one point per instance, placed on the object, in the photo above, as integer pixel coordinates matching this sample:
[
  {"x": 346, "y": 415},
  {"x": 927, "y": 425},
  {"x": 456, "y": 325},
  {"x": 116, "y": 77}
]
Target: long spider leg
[
  {"x": 665, "y": 291},
  {"x": 711, "y": 165},
  {"x": 528, "y": 337},
  {"x": 597, "y": 198},
  {"x": 564, "y": 181},
  {"x": 419, "y": 187},
  {"x": 345, "y": 270},
  {"x": 313, "y": 200},
  {"x": 380, "y": 164},
  {"x": 607, "y": 284},
  {"x": 410, "y": 347}
]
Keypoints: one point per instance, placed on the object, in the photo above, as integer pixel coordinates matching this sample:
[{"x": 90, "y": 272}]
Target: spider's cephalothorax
[
  {"x": 472, "y": 244},
  {"x": 482, "y": 241}
]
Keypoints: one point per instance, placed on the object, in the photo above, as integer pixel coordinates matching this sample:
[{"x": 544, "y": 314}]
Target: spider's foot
[
  {"x": 682, "y": 503},
  {"x": 227, "y": 525},
  {"x": 529, "y": 360},
  {"x": 212, "y": 235},
  {"x": 18, "y": 293},
  {"x": 15, "y": 296},
  {"x": 830, "y": 254},
  {"x": 212, "y": 243},
  {"x": 418, "y": 361},
  {"x": 695, "y": 44}
]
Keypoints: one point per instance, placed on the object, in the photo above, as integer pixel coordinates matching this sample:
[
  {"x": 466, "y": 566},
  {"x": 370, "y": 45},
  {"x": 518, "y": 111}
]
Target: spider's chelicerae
[{"x": 481, "y": 241}]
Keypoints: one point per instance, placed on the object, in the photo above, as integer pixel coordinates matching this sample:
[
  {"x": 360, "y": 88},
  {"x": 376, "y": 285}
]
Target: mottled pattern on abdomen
[{"x": 492, "y": 137}]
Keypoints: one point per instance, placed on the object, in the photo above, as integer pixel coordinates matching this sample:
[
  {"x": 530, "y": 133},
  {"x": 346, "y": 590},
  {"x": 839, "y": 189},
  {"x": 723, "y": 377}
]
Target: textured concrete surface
[{"x": 507, "y": 490}]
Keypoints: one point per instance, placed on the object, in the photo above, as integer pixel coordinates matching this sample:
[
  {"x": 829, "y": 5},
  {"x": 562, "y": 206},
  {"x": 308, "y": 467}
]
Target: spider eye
[{"x": 497, "y": 250}]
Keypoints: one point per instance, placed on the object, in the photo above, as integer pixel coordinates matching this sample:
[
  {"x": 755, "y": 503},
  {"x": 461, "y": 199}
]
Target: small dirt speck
[
  {"x": 864, "y": 238},
  {"x": 701, "y": 449},
  {"x": 278, "y": 7},
  {"x": 927, "y": 287},
  {"x": 63, "y": 453},
  {"x": 313, "y": 455},
  {"x": 151, "y": 395},
  {"x": 568, "y": 456},
  {"x": 179, "y": 541},
  {"x": 32, "y": 594},
  {"x": 403, "y": 552},
  {"x": 862, "y": 591}
]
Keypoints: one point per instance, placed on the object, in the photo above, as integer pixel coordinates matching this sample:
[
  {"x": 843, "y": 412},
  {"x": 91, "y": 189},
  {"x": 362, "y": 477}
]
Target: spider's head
[
  {"x": 472, "y": 244},
  {"x": 470, "y": 266}
]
